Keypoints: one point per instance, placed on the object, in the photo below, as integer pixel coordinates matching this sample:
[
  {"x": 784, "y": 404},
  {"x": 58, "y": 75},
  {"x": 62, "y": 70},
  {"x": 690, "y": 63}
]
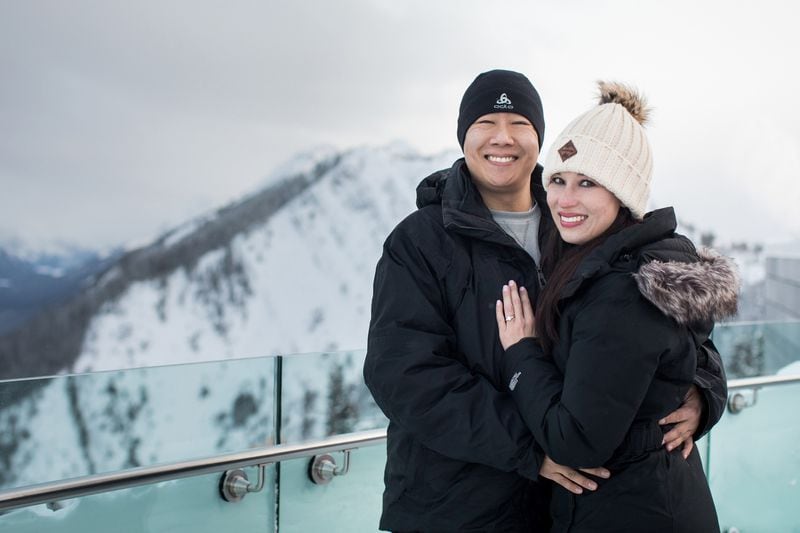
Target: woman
[{"x": 611, "y": 348}]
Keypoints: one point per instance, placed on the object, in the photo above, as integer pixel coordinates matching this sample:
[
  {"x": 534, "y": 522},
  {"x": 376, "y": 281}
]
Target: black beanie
[{"x": 500, "y": 91}]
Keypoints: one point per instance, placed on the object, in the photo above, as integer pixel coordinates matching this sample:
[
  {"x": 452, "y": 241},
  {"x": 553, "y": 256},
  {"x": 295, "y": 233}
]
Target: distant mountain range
[{"x": 30, "y": 283}]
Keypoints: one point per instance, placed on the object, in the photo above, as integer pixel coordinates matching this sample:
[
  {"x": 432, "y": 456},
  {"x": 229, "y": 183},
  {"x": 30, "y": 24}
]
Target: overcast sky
[{"x": 119, "y": 119}]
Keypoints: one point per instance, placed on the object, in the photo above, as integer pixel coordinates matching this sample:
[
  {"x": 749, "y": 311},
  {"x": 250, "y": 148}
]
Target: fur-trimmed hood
[{"x": 702, "y": 291}]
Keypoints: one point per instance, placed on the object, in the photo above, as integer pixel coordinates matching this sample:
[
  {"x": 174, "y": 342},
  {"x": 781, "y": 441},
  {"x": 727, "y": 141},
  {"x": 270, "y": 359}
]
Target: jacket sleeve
[
  {"x": 415, "y": 376},
  {"x": 581, "y": 417},
  {"x": 712, "y": 383}
]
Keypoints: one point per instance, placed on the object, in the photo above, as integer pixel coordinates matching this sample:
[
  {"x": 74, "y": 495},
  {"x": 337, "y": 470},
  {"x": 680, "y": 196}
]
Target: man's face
[{"x": 501, "y": 150}]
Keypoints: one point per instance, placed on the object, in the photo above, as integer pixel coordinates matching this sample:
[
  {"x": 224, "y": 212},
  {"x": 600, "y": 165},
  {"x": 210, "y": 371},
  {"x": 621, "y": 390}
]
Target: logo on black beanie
[{"x": 503, "y": 102}]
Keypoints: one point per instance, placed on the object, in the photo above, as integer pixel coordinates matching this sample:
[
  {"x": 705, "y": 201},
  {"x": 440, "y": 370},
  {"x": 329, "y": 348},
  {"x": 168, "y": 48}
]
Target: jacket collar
[
  {"x": 463, "y": 209},
  {"x": 656, "y": 226}
]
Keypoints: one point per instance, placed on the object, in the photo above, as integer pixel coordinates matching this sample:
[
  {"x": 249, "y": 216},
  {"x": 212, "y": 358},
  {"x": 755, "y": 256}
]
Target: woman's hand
[{"x": 514, "y": 315}]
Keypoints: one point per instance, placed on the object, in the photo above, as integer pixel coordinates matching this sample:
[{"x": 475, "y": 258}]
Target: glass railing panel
[
  {"x": 752, "y": 458},
  {"x": 348, "y": 503},
  {"x": 324, "y": 395},
  {"x": 754, "y": 466},
  {"x": 188, "y": 505},
  {"x": 70, "y": 426},
  {"x": 751, "y": 349}
]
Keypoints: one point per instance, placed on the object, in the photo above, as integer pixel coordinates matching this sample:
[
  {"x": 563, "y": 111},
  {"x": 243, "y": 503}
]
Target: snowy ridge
[
  {"x": 301, "y": 282},
  {"x": 52, "y": 341},
  {"x": 302, "y": 163}
]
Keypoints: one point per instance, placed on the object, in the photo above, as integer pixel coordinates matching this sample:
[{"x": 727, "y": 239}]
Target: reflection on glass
[
  {"x": 69, "y": 426},
  {"x": 348, "y": 503},
  {"x": 323, "y": 395},
  {"x": 759, "y": 348},
  {"x": 754, "y": 466},
  {"x": 189, "y": 505}
]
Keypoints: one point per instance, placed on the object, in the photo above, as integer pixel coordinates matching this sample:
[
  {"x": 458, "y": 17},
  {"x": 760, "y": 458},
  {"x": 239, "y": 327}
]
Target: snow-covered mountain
[
  {"x": 287, "y": 269},
  {"x": 299, "y": 282}
]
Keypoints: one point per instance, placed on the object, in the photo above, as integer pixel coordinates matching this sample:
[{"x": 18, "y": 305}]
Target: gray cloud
[{"x": 120, "y": 119}]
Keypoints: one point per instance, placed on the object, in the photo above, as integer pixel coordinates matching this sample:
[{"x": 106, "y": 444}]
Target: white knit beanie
[{"x": 608, "y": 144}]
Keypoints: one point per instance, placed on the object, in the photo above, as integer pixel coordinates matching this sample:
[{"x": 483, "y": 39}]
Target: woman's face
[{"x": 581, "y": 208}]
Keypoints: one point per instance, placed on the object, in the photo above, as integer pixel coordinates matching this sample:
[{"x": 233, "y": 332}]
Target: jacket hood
[
  {"x": 692, "y": 292},
  {"x": 463, "y": 210},
  {"x": 429, "y": 190},
  {"x": 695, "y": 288}
]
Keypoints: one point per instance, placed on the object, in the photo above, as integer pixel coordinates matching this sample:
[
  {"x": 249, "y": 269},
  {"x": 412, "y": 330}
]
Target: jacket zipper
[{"x": 539, "y": 273}]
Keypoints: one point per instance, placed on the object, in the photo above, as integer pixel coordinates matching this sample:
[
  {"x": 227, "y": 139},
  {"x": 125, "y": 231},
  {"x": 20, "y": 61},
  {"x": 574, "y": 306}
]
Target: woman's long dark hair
[{"x": 559, "y": 262}]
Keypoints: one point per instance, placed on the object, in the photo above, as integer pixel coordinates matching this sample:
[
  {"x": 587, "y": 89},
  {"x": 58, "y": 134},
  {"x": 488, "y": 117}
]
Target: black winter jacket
[
  {"x": 624, "y": 359},
  {"x": 459, "y": 455}
]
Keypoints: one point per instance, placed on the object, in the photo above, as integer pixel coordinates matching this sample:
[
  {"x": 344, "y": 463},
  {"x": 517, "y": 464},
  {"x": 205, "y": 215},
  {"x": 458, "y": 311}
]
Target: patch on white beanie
[{"x": 609, "y": 145}]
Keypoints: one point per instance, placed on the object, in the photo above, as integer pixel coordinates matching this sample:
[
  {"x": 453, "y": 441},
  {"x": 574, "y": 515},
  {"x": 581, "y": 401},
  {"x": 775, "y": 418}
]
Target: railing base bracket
[{"x": 235, "y": 485}]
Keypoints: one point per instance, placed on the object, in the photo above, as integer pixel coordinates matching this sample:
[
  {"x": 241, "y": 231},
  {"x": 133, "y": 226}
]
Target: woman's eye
[
  {"x": 557, "y": 180},
  {"x": 587, "y": 183}
]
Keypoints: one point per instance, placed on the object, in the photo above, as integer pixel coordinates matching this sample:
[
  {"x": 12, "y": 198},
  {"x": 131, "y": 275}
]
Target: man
[{"x": 459, "y": 456}]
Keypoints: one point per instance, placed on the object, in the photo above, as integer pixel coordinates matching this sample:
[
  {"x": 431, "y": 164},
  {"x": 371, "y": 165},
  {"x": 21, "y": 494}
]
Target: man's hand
[
  {"x": 571, "y": 479},
  {"x": 686, "y": 419}
]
